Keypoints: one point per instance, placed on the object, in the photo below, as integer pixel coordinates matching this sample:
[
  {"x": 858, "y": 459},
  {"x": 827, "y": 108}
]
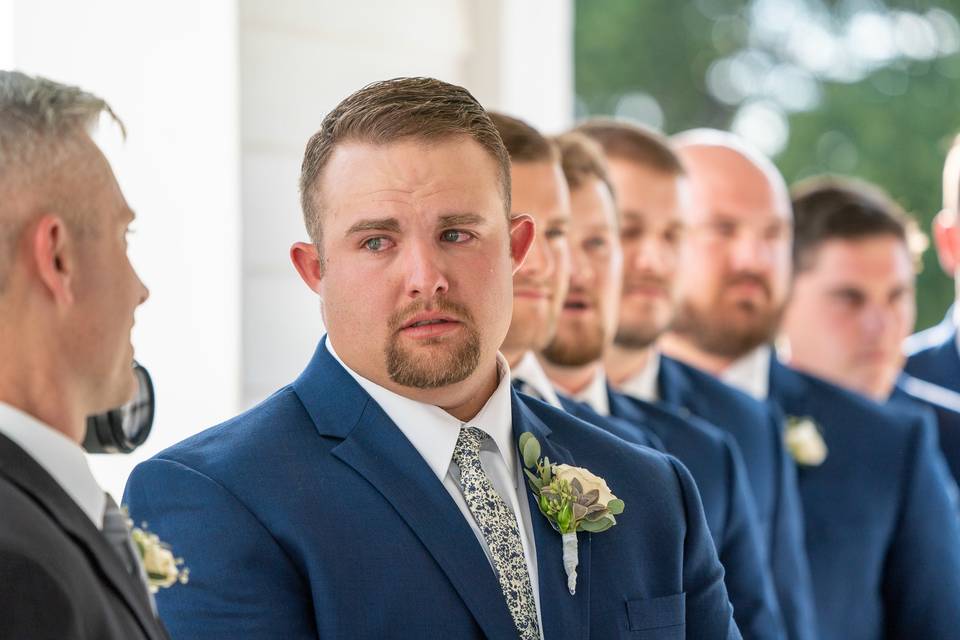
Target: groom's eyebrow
[{"x": 375, "y": 224}]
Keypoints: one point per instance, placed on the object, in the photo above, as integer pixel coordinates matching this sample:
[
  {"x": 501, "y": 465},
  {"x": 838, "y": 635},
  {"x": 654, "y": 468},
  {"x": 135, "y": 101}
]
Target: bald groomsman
[
  {"x": 540, "y": 288},
  {"x": 881, "y": 529},
  {"x": 652, "y": 189}
]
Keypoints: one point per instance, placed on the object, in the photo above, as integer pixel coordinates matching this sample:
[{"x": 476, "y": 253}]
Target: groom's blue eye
[
  {"x": 375, "y": 244},
  {"x": 452, "y": 235}
]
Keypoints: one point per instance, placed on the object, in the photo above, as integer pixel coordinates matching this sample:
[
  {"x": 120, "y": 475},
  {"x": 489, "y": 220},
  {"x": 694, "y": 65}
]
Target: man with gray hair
[{"x": 67, "y": 299}]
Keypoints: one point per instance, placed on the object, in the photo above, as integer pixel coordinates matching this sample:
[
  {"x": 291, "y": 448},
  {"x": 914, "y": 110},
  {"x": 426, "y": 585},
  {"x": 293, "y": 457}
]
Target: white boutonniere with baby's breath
[
  {"x": 162, "y": 568},
  {"x": 804, "y": 441},
  {"x": 571, "y": 498}
]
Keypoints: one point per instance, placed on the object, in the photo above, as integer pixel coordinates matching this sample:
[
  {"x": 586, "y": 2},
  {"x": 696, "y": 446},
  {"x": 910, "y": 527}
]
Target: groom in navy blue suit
[
  {"x": 380, "y": 495},
  {"x": 882, "y": 533}
]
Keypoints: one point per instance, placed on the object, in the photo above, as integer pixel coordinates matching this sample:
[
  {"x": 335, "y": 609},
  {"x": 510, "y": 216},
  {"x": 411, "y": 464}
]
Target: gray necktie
[
  {"x": 499, "y": 528},
  {"x": 117, "y": 533}
]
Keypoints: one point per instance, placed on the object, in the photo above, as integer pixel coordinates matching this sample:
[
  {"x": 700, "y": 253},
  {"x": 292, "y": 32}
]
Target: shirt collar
[
  {"x": 59, "y": 456},
  {"x": 433, "y": 432},
  {"x": 529, "y": 372},
  {"x": 751, "y": 373},
  {"x": 595, "y": 394},
  {"x": 644, "y": 385}
]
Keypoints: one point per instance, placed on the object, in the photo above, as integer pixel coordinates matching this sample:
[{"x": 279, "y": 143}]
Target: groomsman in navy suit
[
  {"x": 853, "y": 301},
  {"x": 881, "y": 529},
  {"x": 651, "y": 188},
  {"x": 932, "y": 372},
  {"x": 381, "y": 494},
  {"x": 540, "y": 286}
]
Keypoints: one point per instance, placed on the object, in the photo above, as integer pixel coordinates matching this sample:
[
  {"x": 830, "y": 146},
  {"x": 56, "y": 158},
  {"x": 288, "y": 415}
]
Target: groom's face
[{"x": 419, "y": 256}]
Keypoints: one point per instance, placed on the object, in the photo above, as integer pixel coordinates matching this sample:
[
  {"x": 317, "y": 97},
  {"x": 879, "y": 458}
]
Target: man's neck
[
  {"x": 33, "y": 395},
  {"x": 681, "y": 348},
  {"x": 513, "y": 358},
  {"x": 621, "y": 363},
  {"x": 571, "y": 380}
]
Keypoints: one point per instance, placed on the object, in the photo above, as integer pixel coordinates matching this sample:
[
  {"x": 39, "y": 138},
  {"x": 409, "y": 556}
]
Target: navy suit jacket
[
  {"x": 714, "y": 461},
  {"x": 758, "y": 432},
  {"x": 312, "y": 516},
  {"x": 882, "y": 532},
  {"x": 932, "y": 378}
]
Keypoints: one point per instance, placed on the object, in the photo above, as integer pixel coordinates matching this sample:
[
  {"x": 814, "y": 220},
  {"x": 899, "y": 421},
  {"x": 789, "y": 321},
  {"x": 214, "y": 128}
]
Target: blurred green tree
[{"x": 857, "y": 87}]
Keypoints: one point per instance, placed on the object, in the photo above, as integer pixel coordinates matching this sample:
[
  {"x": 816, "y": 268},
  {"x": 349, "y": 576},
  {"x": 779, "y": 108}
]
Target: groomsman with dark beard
[
  {"x": 540, "y": 289},
  {"x": 881, "y": 528},
  {"x": 652, "y": 189}
]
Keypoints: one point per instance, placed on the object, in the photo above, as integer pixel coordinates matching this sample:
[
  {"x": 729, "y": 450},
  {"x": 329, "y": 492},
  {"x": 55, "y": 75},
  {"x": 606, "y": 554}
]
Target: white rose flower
[
  {"x": 805, "y": 443},
  {"x": 160, "y": 565},
  {"x": 587, "y": 480}
]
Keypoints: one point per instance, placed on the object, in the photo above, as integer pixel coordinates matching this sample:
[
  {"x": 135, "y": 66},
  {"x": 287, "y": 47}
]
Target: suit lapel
[
  {"x": 377, "y": 450},
  {"x": 672, "y": 385},
  {"x": 563, "y": 615},
  {"x": 23, "y": 471}
]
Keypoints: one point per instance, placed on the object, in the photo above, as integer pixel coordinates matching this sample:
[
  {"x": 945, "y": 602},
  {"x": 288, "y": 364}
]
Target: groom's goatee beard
[{"x": 437, "y": 368}]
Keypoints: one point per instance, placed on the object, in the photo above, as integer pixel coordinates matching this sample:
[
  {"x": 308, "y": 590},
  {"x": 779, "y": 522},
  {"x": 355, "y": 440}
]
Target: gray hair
[{"x": 41, "y": 124}]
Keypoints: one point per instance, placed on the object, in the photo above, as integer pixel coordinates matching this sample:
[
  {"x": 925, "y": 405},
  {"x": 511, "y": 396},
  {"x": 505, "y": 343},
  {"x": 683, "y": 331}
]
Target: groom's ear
[{"x": 308, "y": 262}]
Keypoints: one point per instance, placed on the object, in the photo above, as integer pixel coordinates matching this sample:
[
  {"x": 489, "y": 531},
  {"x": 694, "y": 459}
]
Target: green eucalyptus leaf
[
  {"x": 531, "y": 452},
  {"x": 526, "y": 435},
  {"x": 597, "y": 526},
  {"x": 547, "y": 470},
  {"x": 616, "y": 506},
  {"x": 535, "y": 482}
]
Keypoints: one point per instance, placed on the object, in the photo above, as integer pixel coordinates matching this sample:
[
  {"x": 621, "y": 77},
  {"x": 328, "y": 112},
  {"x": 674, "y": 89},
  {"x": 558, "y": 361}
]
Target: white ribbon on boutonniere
[
  {"x": 571, "y": 498},
  {"x": 804, "y": 441}
]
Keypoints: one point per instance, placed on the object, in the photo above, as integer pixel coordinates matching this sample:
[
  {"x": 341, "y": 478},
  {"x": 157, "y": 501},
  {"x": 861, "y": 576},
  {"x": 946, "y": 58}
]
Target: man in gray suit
[{"x": 67, "y": 298}]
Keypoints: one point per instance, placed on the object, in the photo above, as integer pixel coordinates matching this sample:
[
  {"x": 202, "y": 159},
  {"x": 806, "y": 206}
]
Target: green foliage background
[{"x": 900, "y": 119}]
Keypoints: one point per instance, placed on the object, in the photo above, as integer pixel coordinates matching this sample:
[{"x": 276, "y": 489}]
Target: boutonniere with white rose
[
  {"x": 804, "y": 441},
  {"x": 571, "y": 498},
  {"x": 162, "y": 568}
]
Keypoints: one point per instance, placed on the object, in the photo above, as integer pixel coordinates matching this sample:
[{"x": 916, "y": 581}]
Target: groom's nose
[{"x": 423, "y": 268}]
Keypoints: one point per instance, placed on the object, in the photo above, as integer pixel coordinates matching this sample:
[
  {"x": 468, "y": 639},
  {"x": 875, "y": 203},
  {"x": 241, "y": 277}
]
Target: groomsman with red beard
[
  {"x": 652, "y": 189},
  {"x": 541, "y": 302},
  {"x": 881, "y": 529}
]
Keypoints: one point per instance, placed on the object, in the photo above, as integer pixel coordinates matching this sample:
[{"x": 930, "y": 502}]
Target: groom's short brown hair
[{"x": 391, "y": 110}]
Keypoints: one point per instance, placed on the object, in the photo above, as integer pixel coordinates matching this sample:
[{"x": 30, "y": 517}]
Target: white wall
[
  {"x": 170, "y": 71},
  {"x": 219, "y": 98}
]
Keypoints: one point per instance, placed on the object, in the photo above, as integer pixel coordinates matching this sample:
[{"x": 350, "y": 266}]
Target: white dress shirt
[
  {"x": 595, "y": 394},
  {"x": 59, "y": 456},
  {"x": 751, "y": 373},
  {"x": 530, "y": 373},
  {"x": 433, "y": 433},
  {"x": 645, "y": 384}
]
